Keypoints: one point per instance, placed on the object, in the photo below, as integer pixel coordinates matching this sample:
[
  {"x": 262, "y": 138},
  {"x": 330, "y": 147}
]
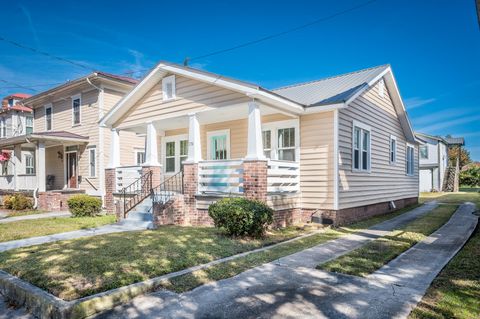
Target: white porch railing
[
  {"x": 7, "y": 182},
  {"x": 220, "y": 176},
  {"x": 283, "y": 177},
  {"x": 125, "y": 175},
  {"x": 24, "y": 182}
]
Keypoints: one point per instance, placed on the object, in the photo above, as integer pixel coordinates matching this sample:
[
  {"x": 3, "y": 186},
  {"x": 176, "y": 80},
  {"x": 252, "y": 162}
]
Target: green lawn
[
  {"x": 13, "y": 213},
  {"x": 372, "y": 256},
  {"x": 47, "y": 226},
  {"x": 452, "y": 198}
]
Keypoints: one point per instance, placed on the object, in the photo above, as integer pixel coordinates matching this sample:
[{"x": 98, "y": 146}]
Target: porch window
[
  {"x": 48, "y": 117},
  {"x": 29, "y": 164},
  {"x": 424, "y": 152},
  {"x": 170, "y": 157},
  {"x": 361, "y": 147},
  {"x": 139, "y": 157},
  {"x": 393, "y": 149},
  {"x": 267, "y": 143},
  {"x": 286, "y": 144},
  {"x": 218, "y": 147},
  {"x": 168, "y": 87},
  {"x": 76, "y": 110},
  {"x": 29, "y": 125},
  {"x": 92, "y": 157},
  {"x": 410, "y": 159},
  {"x": 183, "y": 152}
]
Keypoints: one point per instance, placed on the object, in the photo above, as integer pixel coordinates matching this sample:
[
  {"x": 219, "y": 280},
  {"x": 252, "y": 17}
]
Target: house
[
  {"x": 436, "y": 173},
  {"x": 65, "y": 143},
  {"x": 338, "y": 149}
]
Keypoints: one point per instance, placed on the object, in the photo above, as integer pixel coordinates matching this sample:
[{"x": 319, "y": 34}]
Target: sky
[{"x": 432, "y": 46}]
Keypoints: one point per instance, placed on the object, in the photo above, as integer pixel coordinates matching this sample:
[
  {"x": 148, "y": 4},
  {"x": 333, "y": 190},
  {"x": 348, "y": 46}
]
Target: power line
[
  {"x": 30, "y": 86},
  {"x": 18, "y": 85}
]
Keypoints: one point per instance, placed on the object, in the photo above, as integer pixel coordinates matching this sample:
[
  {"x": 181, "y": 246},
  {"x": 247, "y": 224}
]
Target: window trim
[
  {"x": 176, "y": 139},
  {"x": 73, "y": 98},
  {"x": 90, "y": 149},
  {"x": 408, "y": 145},
  {"x": 381, "y": 88},
  {"x": 210, "y": 134},
  {"x": 273, "y": 127},
  {"x": 48, "y": 106},
  {"x": 3, "y": 127},
  {"x": 393, "y": 138},
  {"x": 135, "y": 155},
  {"x": 165, "y": 81},
  {"x": 33, "y": 121},
  {"x": 363, "y": 127},
  {"x": 420, "y": 153},
  {"x": 25, "y": 155}
]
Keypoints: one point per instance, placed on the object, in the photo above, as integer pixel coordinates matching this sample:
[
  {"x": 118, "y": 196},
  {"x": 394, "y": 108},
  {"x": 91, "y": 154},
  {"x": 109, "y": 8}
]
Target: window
[
  {"x": 361, "y": 147},
  {"x": 168, "y": 87},
  {"x": 170, "y": 157},
  {"x": 393, "y": 149},
  {"x": 410, "y": 159},
  {"x": 29, "y": 125},
  {"x": 92, "y": 162},
  {"x": 139, "y": 157},
  {"x": 29, "y": 164},
  {"x": 381, "y": 88},
  {"x": 267, "y": 143},
  {"x": 3, "y": 128},
  {"x": 218, "y": 147},
  {"x": 424, "y": 152},
  {"x": 48, "y": 117},
  {"x": 11, "y": 102},
  {"x": 76, "y": 105},
  {"x": 286, "y": 144},
  {"x": 183, "y": 152}
]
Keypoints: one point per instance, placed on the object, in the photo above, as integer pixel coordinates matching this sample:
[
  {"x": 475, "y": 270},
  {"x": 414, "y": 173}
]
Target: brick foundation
[
  {"x": 156, "y": 174},
  {"x": 190, "y": 188},
  {"x": 255, "y": 180},
  {"x": 171, "y": 213},
  {"x": 55, "y": 201},
  {"x": 110, "y": 188}
]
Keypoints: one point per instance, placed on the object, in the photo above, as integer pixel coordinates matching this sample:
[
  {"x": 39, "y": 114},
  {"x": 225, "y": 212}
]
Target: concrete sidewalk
[
  {"x": 293, "y": 291},
  {"x": 33, "y": 216}
]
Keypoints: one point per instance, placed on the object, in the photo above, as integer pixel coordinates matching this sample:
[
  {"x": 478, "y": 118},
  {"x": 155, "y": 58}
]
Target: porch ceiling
[{"x": 49, "y": 138}]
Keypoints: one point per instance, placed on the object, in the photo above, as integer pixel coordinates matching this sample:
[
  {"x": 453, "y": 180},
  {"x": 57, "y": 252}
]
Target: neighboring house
[
  {"x": 66, "y": 141},
  {"x": 434, "y": 163},
  {"x": 339, "y": 148}
]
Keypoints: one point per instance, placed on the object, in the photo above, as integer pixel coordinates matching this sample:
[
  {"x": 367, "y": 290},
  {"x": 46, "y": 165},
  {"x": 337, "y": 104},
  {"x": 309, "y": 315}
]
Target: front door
[{"x": 72, "y": 177}]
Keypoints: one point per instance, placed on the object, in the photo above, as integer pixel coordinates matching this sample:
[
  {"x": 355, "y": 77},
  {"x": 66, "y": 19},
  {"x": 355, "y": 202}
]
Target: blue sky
[{"x": 433, "y": 46}]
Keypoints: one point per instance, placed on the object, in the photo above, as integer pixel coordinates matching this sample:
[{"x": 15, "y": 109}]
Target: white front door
[{"x": 426, "y": 180}]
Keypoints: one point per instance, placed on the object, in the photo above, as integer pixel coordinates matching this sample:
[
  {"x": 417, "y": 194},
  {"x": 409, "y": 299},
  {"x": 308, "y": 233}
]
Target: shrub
[
  {"x": 84, "y": 205},
  {"x": 241, "y": 216},
  {"x": 470, "y": 177},
  {"x": 17, "y": 202}
]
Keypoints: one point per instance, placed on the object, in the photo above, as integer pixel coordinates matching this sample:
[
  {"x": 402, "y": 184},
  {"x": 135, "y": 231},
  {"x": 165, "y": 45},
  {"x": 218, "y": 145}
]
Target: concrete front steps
[{"x": 140, "y": 216}]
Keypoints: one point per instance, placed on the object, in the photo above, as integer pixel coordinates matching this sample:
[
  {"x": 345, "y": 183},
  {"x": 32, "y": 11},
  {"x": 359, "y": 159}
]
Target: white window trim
[
  {"x": 176, "y": 139},
  {"x": 362, "y": 127},
  {"x": 94, "y": 149},
  {"x": 48, "y": 106},
  {"x": 406, "y": 159},
  {"x": 33, "y": 163},
  {"x": 273, "y": 127},
  {"x": 420, "y": 153},
  {"x": 392, "y": 138},
  {"x": 3, "y": 126},
  {"x": 209, "y": 147},
  {"x": 75, "y": 97},
  {"x": 135, "y": 156},
  {"x": 33, "y": 122},
  {"x": 381, "y": 88},
  {"x": 165, "y": 81}
]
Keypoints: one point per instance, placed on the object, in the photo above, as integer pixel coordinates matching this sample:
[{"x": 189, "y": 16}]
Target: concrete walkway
[
  {"x": 291, "y": 290},
  {"x": 33, "y": 216},
  {"x": 107, "y": 229}
]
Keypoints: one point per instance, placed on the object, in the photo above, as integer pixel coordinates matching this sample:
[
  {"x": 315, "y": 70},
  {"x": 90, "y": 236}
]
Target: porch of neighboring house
[
  {"x": 43, "y": 164},
  {"x": 192, "y": 160}
]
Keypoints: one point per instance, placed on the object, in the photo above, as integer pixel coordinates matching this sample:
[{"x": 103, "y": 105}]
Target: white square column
[
  {"x": 40, "y": 167},
  {"x": 194, "y": 144},
  {"x": 151, "y": 149},
  {"x": 114, "y": 161},
  {"x": 255, "y": 143}
]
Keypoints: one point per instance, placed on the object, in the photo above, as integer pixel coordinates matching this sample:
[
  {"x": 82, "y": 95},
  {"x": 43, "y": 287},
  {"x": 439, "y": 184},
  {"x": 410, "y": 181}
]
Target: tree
[{"x": 464, "y": 156}]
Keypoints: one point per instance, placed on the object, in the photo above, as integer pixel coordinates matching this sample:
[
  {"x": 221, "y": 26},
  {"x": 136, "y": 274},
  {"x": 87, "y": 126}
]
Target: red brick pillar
[
  {"x": 156, "y": 174},
  {"x": 255, "y": 179},
  {"x": 190, "y": 189},
  {"x": 110, "y": 188}
]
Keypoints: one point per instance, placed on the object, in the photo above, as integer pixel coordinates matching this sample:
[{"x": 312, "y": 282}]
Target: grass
[
  {"x": 48, "y": 226},
  {"x": 452, "y": 198},
  {"x": 13, "y": 213},
  {"x": 226, "y": 270},
  {"x": 372, "y": 256},
  {"x": 455, "y": 293}
]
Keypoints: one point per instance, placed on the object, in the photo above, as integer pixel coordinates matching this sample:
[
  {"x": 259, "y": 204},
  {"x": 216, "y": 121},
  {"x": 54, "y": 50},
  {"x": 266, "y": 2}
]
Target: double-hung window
[
  {"x": 176, "y": 152},
  {"x": 410, "y": 160},
  {"x": 29, "y": 164},
  {"x": 280, "y": 140},
  {"x": 267, "y": 143},
  {"x": 3, "y": 128},
  {"x": 393, "y": 149},
  {"x": 361, "y": 147},
  {"x": 183, "y": 152},
  {"x": 92, "y": 164},
  {"x": 286, "y": 144},
  {"x": 76, "y": 110},
  {"x": 29, "y": 124},
  {"x": 168, "y": 88},
  {"x": 424, "y": 151},
  {"x": 48, "y": 117},
  {"x": 140, "y": 157},
  {"x": 170, "y": 157}
]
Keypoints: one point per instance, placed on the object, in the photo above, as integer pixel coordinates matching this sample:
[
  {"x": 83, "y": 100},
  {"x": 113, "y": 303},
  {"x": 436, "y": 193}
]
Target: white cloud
[
  {"x": 414, "y": 102},
  {"x": 30, "y": 24},
  {"x": 446, "y": 124}
]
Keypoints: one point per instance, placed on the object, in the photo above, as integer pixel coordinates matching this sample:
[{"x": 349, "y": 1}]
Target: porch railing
[
  {"x": 168, "y": 189},
  {"x": 283, "y": 177},
  {"x": 7, "y": 182},
  {"x": 220, "y": 176},
  {"x": 126, "y": 175},
  {"x": 24, "y": 182},
  {"x": 136, "y": 192}
]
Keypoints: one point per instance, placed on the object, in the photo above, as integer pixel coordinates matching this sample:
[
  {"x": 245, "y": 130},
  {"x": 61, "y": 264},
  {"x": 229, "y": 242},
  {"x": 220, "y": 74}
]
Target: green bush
[
  {"x": 17, "y": 202},
  {"x": 470, "y": 177},
  {"x": 241, "y": 216},
  {"x": 84, "y": 205}
]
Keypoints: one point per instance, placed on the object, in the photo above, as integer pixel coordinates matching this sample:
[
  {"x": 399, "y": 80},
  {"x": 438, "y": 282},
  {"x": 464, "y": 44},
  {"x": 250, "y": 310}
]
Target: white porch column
[
  {"x": 114, "y": 149},
  {"x": 151, "y": 151},
  {"x": 194, "y": 144},
  {"x": 255, "y": 143},
  {"x": 40, "y": 167},
  {"x": 17, "y": 163}
]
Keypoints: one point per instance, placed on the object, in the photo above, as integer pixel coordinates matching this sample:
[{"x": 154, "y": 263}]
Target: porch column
[
  {"x": 40, "y": 167},
  {"x": 194, "y": 144},
  {"x": 17, "y": 162},
  {"x": 114, "y": 149},
  {"x": 151, "y": 156},
  {"x": 110, "y": 171},
  {"x": 255, "y": 143}
]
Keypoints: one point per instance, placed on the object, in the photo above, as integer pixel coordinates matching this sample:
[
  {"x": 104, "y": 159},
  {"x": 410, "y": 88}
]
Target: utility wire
[
  {"x": 30, "y": 86},
  {"x": 19, "y": 85}
]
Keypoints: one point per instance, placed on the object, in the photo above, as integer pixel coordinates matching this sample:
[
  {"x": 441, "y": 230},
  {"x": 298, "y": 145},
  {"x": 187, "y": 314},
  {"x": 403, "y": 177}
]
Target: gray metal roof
[
  {"x": 455, "y": 140},
  {"x": 336, "y": 89}
]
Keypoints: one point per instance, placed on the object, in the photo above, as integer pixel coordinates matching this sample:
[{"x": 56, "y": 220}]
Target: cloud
[
  {"x": 454, "y": 122},
  {"x": 30, "y": 24},
  {"x": 439, "y": 116},
  {"x": 415, "y": 102}
]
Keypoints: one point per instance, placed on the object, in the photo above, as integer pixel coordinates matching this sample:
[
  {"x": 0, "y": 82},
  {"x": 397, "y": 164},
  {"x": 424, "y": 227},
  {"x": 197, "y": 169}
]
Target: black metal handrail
[
  {"x": 168, "y": 189},
  {"x": 136, "y": 192}
]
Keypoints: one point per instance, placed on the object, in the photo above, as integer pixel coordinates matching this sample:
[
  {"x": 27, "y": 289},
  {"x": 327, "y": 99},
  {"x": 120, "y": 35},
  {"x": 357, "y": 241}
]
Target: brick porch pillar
[
  {"x": 156, "y": 174},
  {"x": 190, "y": 189},
  {"x": 255, "y": 179},
  {"x": 110, "y": 188}
]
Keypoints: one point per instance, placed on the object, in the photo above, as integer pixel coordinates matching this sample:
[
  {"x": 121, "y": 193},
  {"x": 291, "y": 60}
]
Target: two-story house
[{"x": 69, "y": 149}]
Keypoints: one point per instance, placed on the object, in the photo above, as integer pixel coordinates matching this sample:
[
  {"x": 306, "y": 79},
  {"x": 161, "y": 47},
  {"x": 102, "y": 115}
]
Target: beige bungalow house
[
  {"x": 338, "y": 149},
  {"x": 65, "y": 143}
]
